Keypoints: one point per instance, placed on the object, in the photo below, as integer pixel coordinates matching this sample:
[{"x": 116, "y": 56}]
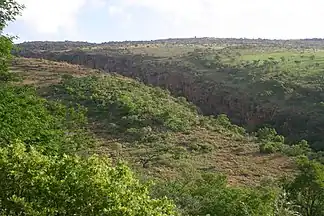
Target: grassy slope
[
  {"x": 284, "y": 84},
  {"x": 192, "y": 141},
  {"x": 289, "y": 79},
  {"x": 255, "y": 82}
]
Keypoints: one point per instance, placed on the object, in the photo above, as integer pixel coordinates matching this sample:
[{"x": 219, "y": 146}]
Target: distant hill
[
  {"x": 203, "y": 164},
  {"x": 255, "y": 82},
  {"x": 310, "y": 43}
]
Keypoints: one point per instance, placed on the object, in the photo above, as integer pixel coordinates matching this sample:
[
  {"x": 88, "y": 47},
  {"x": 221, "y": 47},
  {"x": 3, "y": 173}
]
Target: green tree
[
  {"x": 306, "y": 190},
  {"x": 269, "y": 140},
  {"x": 35, "y": 184},
  {"x": 209, "y": 194},
  {"x": 9, "y": 9},
  {"x": 49, "y": 125}
]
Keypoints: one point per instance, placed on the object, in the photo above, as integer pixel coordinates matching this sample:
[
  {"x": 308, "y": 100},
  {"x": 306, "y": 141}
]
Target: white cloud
[
  {"x": 114, "y": 10},
  {"x": 121, "y": 16},
  {"x": 183, "y": 18},
  {"x": 98, "y": 3},
  {"x": 50, "y": 16},
  {"x": 237, "y": 18}
]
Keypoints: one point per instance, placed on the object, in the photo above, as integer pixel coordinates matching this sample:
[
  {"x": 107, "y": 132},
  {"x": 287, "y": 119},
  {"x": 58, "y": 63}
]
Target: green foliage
[
  {"x": 269, "y": 134},
  {"x": 209, "y": 194},
  {"x": 251, "y": 93},
  {"x": 284, "y": 207},
  {"x": 270, "y": 147},
  {"x": 129, "y": 104},
  {"x": 254, "y": 82},
  {"x": 9, "y": 9},
  {"x": 269, "y": 140},
  {"x": 318, "y": 156},
  {"x": 51, "y": 126},
  {"x": 224, "y": 121},
  {"x": 5, "y": 55},
  {"x": 142, "y": 115},
  {"x": 301, "y": 148},
  {"x": 35, "y": 184},
  {"x": 306, "y": 190},
  {"x": 222, "y": 124}
]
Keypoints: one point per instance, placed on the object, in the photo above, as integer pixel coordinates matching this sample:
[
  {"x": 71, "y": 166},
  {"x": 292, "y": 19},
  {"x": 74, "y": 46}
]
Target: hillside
[
  {"x": 175, "y": 127},
  {"x": 195, "y": 161},
  {"x": 254, "y": 82},
  {"x": 109, "y": 102},
  {"x": 159, "y": 135}
]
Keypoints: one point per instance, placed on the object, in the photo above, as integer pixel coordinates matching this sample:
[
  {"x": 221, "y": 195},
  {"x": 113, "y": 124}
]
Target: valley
[
  {"x": 168, "y": 127},
  {"x": 255, "y": 82},
  {"x": 204, "y": 121}
]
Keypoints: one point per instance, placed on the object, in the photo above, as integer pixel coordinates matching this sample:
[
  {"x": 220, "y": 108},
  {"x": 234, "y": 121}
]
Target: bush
[
  {"x": 224, "y": 121},
  {"x": 302, "y": 148},
  {"x": 306, "y": 190},
  {"x": 318, "y": 156},
  {"x": 270, "y": 147},
  {"x": 269, "y": 134},
  {"x": 51, "y": 126},
  {"x": 269, "y": 140},
  {"x": 209, "y": 194},
  {"x": 35, "y": 184},
  {"x": 129, "y": 104}
]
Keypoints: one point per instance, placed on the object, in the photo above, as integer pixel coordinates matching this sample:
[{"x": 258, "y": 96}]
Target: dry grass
[
  {"x": 43, "y": 72},
  {"x": 238, "y": 158}
]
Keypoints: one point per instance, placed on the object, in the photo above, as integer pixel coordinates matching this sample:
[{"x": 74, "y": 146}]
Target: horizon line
[{"x": 181, "y": 38}]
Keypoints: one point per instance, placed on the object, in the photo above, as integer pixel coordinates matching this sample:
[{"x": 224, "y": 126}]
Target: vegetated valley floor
[{"x": 173, "y": 151}]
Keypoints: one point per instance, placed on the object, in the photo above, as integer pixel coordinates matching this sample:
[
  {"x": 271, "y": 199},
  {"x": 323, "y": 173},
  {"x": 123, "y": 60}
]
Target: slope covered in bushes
[
  {"x": 157, "y": 133},
  {"x": 205, "y": 165},
  {"x": 50, "y": 126},
  {"x": 161, "y": 137},
  {"x": 40, "y": 173},
  {"x": 255, "y": 82},
  {"x": 47, "y": 164}
]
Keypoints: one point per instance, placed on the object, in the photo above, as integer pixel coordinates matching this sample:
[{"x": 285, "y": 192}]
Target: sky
[{"x": 119, "y": 20}]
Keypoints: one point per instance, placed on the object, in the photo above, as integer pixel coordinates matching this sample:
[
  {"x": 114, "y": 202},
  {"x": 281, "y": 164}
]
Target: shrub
[
  {"x": 209, "y": 194},
  {"x": 269, "y": 140},
  {"x": 301, "y": 148},
  {"x": 306, "y": 190},
  {"x": 270, "y": 147},
  {"x": 318, "y": 156},
  {"x": 50, "y": 126},
  {"x": 269, "y": 134},
  {"x": 224, "y": 121},
  {"x": 35, "y": 184},
  {"x": 129, "y": 104},
  {"x": 9, "y": 10}
]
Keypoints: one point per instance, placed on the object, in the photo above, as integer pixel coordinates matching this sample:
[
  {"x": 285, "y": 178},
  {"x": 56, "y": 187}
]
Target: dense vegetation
[
  {"x": 256, "y": 83},
  {"x": 57, "y": 116},
  {"x": 37, "y": 184},
  {"x": 40, "y": 173},
  {"x": 129, "y": 111}
]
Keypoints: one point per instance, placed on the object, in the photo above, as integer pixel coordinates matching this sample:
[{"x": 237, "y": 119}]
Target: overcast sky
[{"x": 107, "y": 20}]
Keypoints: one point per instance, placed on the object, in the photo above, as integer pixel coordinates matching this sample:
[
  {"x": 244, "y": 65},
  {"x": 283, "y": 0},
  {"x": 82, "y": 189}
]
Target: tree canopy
[
  {"x": 9, "y": 9},
  {"x": 40, "y": 173}
]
